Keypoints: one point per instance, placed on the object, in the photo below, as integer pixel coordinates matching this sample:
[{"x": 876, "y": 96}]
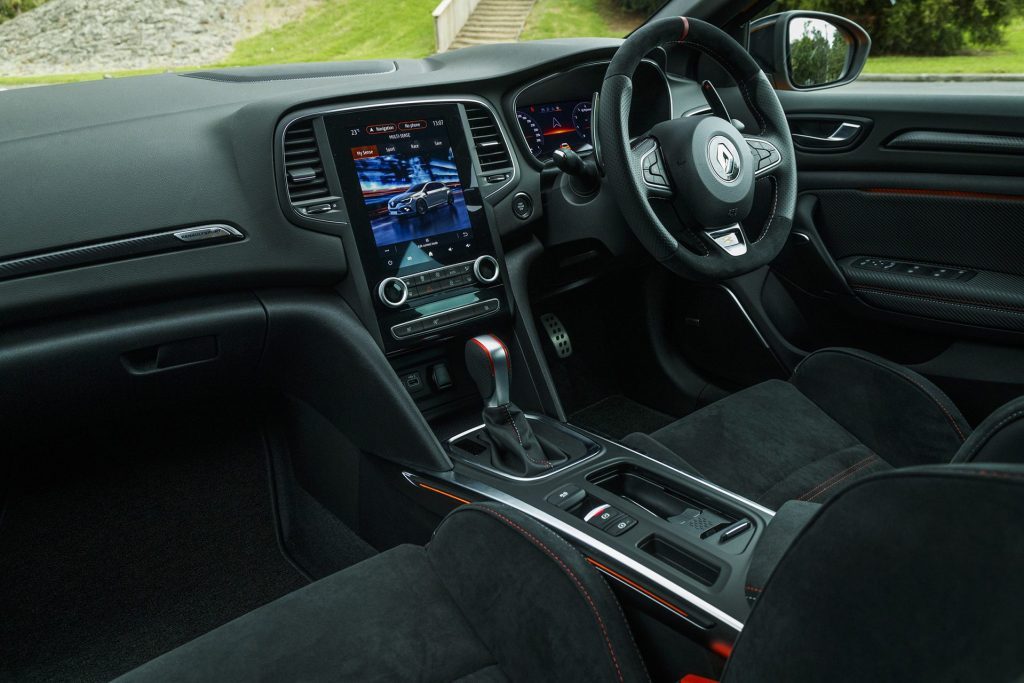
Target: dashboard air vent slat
[
  {"x": 490, "y": 145},
  {"x": 304, "y": 169}
]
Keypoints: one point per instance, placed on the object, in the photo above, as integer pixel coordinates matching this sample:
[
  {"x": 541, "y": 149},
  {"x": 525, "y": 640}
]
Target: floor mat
[
  {"x": 616, "y": 416},
  {"x": 137, "y": 546}
]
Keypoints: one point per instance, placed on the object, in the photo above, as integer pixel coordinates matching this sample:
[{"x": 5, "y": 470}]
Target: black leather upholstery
[
  {"x": 843, "y": 415},
  {"x": 907, "y": 576},
  {"x": 495, "y": 596}
]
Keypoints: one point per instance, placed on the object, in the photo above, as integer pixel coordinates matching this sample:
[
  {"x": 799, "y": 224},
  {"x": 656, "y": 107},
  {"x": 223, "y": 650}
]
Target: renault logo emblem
[{"x": 723, "y": 158}]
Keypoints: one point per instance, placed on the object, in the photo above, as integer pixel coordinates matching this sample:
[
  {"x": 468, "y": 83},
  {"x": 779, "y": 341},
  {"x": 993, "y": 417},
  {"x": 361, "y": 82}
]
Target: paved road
[{"x": 946, "y": 88}]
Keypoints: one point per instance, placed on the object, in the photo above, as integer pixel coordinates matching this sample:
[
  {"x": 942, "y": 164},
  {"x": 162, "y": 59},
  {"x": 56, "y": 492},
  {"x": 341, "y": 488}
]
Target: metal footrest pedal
[{"x": 557, "y": 335}]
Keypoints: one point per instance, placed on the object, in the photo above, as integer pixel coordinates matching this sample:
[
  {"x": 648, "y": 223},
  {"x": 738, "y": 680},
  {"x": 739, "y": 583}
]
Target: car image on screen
[{"x": 420, "y": 198}]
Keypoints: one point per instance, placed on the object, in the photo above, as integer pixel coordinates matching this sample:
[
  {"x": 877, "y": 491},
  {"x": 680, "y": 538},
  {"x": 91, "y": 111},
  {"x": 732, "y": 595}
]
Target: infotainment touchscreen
[{"x": 412, "y": 185}]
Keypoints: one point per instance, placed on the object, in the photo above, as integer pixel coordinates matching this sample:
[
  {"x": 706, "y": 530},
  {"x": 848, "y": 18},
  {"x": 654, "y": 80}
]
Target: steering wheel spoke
[
  {"x": 647, "y": 156},
  {"x": 767, "y": 156}
]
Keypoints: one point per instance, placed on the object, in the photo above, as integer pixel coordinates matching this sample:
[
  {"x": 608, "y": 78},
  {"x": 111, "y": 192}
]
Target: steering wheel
[{"x": 700, "y": 166}]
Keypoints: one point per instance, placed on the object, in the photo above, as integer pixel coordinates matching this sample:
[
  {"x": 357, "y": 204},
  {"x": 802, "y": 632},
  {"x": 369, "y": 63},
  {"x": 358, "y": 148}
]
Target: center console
[
  {"x": 428, "y": 252},
  {"x": 416, "y": 189}
]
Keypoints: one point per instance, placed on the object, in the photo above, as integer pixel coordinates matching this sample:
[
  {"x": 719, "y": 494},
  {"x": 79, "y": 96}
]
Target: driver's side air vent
[
  {"x": 303, "y": 167},
  {"x": 490, "y": 145}
]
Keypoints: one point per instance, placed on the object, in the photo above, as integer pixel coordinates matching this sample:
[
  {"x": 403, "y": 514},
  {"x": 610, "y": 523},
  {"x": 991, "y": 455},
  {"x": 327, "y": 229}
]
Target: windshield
[{"x": 57, "y": 41}]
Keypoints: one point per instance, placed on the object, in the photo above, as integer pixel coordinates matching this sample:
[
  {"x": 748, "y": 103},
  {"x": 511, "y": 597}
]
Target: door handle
[{"x": 843, "y": 136}]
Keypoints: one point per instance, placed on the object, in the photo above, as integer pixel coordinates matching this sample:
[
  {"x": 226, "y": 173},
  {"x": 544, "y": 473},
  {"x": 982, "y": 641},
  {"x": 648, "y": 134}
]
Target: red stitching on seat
[
  {"x": 565, "y": 568},
  {"x": 818, "y": 486},
  {"x": 837, "y": 481}
]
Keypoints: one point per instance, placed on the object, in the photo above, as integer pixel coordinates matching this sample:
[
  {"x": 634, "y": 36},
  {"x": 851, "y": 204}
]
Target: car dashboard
[{"x": 402, "y": 186}]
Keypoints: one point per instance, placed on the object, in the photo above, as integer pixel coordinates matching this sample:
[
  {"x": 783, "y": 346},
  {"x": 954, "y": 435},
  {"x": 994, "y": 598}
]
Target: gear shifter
[{"x": 516, "y": 449}]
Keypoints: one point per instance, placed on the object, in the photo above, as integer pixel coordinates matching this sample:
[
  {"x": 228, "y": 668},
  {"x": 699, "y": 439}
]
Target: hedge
[
  {"x": 11, "y": 8},
  {"x": 922, "y": 27}
]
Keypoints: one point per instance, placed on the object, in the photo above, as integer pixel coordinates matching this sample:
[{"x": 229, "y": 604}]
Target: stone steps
[{"x": 494, "y": 21}]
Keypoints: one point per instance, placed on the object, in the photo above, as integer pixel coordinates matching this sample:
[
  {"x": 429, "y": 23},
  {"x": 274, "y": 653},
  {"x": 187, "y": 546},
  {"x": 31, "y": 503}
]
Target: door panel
[{"x": 909, "y": 242}]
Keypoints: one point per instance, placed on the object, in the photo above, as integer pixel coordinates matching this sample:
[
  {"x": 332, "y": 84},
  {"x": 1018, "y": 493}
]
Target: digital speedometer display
[{"x": 556, "y": 125}]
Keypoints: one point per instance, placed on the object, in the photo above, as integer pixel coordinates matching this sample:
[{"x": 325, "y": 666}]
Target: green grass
[
  {"x": 337, "y": 30},
  {"x": 344, "y": 30},
  {"x": 12, "y": 8},
  {"x": 562, "y": 18},
  {"x": 1007, "y": 58}
]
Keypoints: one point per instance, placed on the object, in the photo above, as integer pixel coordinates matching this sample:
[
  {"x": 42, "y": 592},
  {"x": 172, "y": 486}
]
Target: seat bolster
[
  {"x": 387, "y": 618},
  {"x": 542, "y": 611},
  {"x": 999, "y": 438},
  {"x": 910, "y": 575},
  {"x": 893, "y": 410},
  {"x": 788, "y": 522}
]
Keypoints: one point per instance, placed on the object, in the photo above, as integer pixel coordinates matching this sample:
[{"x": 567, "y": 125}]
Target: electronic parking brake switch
[{"x": 609, "y": 519}]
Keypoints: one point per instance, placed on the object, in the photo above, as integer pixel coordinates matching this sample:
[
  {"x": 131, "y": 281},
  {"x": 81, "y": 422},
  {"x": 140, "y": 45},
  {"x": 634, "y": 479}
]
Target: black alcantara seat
[
  {"x": 494, "y": 596},
  {"x": 844, "y": 414},
  {"x": 910, "y": 575}
]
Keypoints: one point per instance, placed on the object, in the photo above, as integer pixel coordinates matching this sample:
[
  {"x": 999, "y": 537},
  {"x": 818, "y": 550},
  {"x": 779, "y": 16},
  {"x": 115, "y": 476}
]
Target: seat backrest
[
  {"x": 999, "y": 437},
  {"x": 913, "y": 575}
]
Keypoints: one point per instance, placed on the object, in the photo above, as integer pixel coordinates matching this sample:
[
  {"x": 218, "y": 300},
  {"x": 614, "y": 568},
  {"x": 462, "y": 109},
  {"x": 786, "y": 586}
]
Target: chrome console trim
[
  {"x": 686, "y": 475},
  {"x": 588, "y": 541}
]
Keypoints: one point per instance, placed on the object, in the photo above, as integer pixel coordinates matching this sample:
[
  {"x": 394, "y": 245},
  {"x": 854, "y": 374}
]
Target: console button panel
[
  {"x": 430, "y": 323},
  {"x": 439, "y": 280}
]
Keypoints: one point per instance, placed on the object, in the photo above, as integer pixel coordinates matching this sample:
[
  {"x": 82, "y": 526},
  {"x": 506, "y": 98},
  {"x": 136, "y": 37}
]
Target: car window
[
  {"x": 418, "y": 187},
  {"x": 59, "y": 41},
  {"x": 922, "y": 41}
]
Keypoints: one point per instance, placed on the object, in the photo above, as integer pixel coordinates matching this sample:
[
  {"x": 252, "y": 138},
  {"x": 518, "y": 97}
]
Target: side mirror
[{"x": 809, "y": 50}]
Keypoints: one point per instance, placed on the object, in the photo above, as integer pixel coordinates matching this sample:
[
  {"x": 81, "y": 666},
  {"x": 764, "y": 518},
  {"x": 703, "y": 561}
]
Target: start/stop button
[{"x": 522, "y": 206}]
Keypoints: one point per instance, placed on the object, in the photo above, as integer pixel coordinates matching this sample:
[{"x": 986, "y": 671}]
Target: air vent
[
  {"x": 490, "y": 145},
  {"x": 303, "y": 167}
]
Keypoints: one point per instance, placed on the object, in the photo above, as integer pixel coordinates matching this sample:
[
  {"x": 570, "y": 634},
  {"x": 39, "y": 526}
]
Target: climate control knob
[
  {"x": 485, "y": 269},
  {"x": 393, "y": 292}
]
